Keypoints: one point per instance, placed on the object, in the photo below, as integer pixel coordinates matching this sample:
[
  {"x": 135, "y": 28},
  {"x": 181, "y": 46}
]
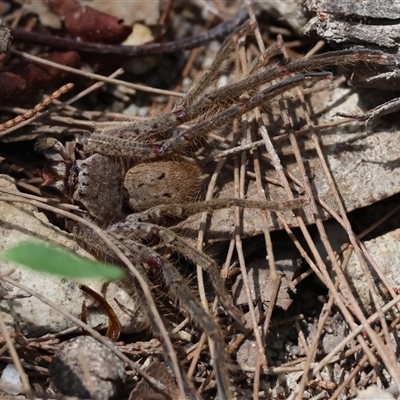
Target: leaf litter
[{"x": 363, "y": 164}]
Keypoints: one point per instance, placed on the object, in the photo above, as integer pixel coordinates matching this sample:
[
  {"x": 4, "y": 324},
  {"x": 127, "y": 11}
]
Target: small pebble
[
  {"x": 85, "y": 368},
  {"x": 12, "y": 379}
]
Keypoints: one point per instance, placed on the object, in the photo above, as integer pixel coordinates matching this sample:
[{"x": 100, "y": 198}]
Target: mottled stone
[{"x": 86, "y": 368}]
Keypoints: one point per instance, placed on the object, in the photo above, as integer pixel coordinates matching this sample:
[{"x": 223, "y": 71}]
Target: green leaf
[{"x": 55, "y": 260}]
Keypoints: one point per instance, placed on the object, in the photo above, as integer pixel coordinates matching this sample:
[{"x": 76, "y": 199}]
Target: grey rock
[
  {"x": 86, "y": 368},
  {"x": 366, "y": 25},
  {"x": 385, "y": 251},
  {"x": 351, "y": 8},
  {"x": 261, "y": 285},
  {"x": 287, "y": 11}
]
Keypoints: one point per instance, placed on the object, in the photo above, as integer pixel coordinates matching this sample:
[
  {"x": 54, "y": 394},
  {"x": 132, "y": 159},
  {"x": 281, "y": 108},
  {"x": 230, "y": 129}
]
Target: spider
[{"x": 147, "y": 164}]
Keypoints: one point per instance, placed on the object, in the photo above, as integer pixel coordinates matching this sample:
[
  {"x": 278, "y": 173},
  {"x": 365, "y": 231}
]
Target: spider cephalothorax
[
  {"x": 96, "y": 182},
  {"x": 160, "y": 182}
]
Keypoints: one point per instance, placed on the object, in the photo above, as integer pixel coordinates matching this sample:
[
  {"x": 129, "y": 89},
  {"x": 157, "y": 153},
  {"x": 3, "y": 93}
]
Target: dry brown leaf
[{"x": 90, "y": 25}]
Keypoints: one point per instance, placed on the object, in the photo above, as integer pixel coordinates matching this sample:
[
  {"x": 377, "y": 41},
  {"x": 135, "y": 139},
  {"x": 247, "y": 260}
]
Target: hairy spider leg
[
  {"x": 182, "y": 140},
  {"x": 123, "y": 143},
  {"x": 125, "y": 147},
  {"x": 131, "y": 228},
  {"x": 158, "y": 213},
  {"x": 140, "y": 254},
  {"x": 209, "y": 74}
]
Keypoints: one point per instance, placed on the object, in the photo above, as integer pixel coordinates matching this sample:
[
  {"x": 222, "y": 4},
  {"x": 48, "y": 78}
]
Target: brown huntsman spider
[{"x": 148, "y": 165}]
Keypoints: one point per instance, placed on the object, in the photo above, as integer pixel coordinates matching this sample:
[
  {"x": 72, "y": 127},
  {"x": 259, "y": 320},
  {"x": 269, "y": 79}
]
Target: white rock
[{"x": 11, "y": 378}]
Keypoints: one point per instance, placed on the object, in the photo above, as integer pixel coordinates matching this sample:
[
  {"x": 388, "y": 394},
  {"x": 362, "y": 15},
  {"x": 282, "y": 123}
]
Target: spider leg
[
  {"x": 181, "y": 141},
  {"x": 129, "y": 228},
  {"x": 175, "y": 282},
  {"x": 158, "y": 213},
  {"x": 141, "y": 254},
  {"x": 141, "y": 226},
  {"x": 107, "y": 142},
  {"x": 210, "y": 74},
  {"x": 137, "y": 226},
  {"x": 133, "y": 251},
  {"x": 121, "y": 143},
  {"x": 228, "y": 94},
  {"x": 124, "y": 146}
]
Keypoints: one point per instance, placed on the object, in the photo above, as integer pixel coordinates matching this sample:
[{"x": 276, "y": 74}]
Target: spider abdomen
[{"x": 162, "y": 182}]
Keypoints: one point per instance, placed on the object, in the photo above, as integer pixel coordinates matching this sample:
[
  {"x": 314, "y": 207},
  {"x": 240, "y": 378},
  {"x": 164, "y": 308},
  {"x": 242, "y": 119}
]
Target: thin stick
[
  {"x": 97, "y": 77},
  {"x": 385, "y": 352},
  {"x": 261, "y": 361},
  {"x": 221, "y": 30},
  {"x": 38, "y": 108},
  {"x": 243, "y": 269},
  {"x": 314, "y": 345},
  {"x": 321, "y": 364}
]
